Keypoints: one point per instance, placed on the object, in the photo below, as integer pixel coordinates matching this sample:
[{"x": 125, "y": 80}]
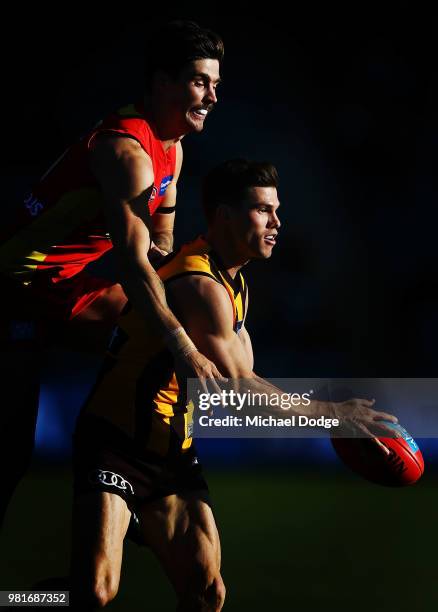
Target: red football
[{"x": 404, "y": 464}]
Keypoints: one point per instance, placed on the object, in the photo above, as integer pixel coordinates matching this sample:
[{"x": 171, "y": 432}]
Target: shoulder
[
  {"x": 203, "y": 298},
  {"x": 128, "y": 119},
  {"x": 204, "y": 286},
  {"x": 182, "y": 263},
  {"x": 118, "y": 154},
  {"x": 112, "y": 145}
]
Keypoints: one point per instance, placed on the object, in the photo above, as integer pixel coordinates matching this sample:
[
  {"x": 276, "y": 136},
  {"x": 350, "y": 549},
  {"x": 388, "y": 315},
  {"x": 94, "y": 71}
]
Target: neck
[
  {"x": 159, "y": 116},
  {"x": 231, "y": 259}
]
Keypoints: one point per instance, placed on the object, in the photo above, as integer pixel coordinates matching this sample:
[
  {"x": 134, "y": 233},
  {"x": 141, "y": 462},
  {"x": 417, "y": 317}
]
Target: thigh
[{"x": 182, "y": 533}]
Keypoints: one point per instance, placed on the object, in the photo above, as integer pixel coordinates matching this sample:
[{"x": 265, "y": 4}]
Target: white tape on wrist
[{"x": 178, "y": 341}]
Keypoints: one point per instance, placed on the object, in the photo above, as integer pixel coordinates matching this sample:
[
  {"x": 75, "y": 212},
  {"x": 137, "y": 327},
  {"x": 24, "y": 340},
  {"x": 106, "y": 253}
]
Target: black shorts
[{"x": 105, "y": 460}]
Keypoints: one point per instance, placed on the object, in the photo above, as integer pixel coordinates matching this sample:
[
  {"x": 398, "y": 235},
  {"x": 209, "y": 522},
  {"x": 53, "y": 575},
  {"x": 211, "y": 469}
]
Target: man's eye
[{"x": 263, "y": 210}]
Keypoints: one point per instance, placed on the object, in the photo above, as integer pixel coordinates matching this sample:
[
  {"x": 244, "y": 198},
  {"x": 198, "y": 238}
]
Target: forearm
[
  {"x": 146, "y": 292},
  {"x": 277, "y": 402}
]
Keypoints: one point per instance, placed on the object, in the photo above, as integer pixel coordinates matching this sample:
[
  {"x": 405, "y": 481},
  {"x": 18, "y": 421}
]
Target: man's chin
[
  {"x": 262, "y": 254},
  {"x": 195, "y": 125}
]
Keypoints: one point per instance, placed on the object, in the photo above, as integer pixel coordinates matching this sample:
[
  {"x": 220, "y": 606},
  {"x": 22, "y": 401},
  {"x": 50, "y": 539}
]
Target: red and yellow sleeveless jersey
[
  {"x": 137, "y": 390},
  {"x": 61, "y": 226}
]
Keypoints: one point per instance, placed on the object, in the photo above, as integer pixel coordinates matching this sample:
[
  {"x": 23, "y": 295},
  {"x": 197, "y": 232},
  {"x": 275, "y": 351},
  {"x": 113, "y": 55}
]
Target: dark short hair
[
  {"x": 176, "y": 44},
  {"x": 229, "y": 182}
]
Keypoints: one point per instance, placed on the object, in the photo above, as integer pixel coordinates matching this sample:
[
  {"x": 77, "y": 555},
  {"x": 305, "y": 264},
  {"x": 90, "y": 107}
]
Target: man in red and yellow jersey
[
  {"x": 136, "y": 468},
  {"x": 114, "y": 188}
]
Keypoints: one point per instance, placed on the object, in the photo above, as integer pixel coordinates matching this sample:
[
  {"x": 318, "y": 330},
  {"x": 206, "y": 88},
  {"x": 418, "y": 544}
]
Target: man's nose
[
  {"x": 275, "y": 221},
  {"x": 211, "y": 95}
]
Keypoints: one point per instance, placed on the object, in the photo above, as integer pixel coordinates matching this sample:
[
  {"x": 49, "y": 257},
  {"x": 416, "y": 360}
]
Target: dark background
[{"x": 344, "y": 103}]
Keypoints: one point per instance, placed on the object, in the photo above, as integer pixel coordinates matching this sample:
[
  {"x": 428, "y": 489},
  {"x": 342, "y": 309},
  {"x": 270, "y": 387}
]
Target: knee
[
  {"x": 216, "y": 593},
  {"x": 103, "y": 592},
  {"x": 205, "y": 591},
  {"x": 96, "y": 596}
]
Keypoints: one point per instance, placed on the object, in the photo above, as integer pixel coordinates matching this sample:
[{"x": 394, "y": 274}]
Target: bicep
[
  {"x": 125, "y": 174},
  {"x": 204, "y": 308}
]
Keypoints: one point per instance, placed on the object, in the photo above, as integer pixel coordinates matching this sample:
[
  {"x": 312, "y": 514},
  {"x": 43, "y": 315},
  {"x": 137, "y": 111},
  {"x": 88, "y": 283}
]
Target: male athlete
[
  {"x": 136, "y": 469},
  {"x": 115, "y": 188}
]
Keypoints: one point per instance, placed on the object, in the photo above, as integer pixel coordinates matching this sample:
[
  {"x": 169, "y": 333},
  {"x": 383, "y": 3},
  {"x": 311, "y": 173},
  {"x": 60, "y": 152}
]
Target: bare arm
[
  {"x": 163, "y": 221},
  {"x": 206, "y": 312},
  {"x": 126, "y": 177},
  {"x": 247, "y": 345},
  {"x": 125, "y": 174}
]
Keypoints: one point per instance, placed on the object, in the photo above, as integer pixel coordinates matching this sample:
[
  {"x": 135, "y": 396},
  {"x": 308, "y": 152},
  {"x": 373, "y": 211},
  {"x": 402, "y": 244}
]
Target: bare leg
[
  {"x": 182, "y": 533},
  {"x": 100, "y": 522}
]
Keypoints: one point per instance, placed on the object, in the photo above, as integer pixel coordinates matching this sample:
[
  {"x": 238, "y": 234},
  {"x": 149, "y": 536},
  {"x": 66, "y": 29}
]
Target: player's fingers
[
  {"x": 362, "y": 429},
  {"x": 212, "y": 383},
  {"x": 217, "y": 375},
  {"x": 385, "y": 416},
  {"x": 381, "y": 446},
  {"x": 368, "y": 403},
  {"x": 373, "y": 438},
  {"x": 389, "y": 431},
  {"x": 203, "y": 383}
]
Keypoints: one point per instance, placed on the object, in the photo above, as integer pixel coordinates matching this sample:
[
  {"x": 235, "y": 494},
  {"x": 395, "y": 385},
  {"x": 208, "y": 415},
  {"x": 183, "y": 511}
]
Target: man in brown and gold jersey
[{"x": 136, "y": 469}]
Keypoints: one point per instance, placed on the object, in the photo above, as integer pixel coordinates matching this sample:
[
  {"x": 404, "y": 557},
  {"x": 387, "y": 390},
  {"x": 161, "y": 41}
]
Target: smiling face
[
  {"x": 191, "y": 96},
  {"x": 254, "y": 226}
]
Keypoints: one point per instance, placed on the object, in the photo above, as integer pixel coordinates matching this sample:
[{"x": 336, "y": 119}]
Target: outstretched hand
[{"x": 358, "y": 417}]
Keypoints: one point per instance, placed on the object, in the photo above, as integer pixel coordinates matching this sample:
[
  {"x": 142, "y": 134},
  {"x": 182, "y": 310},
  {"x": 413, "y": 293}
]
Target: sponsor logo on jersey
[
  {"x": 153, "y": 194},
  {"x": 165, "y": 184},
  {"x": 190, "y": 430},
  {"x": 33, "y": 205}
]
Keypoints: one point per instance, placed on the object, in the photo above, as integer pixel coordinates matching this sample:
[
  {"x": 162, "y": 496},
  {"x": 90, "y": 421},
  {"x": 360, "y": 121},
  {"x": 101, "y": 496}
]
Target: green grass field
[{"x": 292, "y": 540}]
